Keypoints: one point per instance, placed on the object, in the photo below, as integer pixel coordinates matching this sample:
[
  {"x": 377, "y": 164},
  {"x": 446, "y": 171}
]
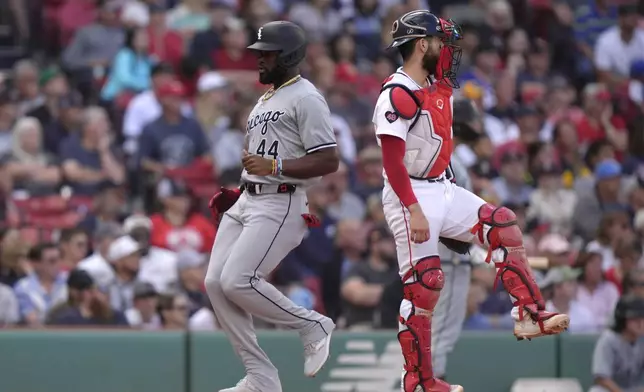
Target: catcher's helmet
[
  {"x": 421, "y": 24},
  {"x": 285, "y": 37}
]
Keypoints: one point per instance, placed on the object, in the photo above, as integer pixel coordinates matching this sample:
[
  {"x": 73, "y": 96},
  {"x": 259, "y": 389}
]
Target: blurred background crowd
[{"x": 119, "y": 119}]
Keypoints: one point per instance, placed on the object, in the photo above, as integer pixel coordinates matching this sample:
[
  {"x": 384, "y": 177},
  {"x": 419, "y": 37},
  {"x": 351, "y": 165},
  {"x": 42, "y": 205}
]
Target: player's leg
[
  {"x": 273, "y": 227},
  {"x": 423, "y": 280},
  {"x": 236, "y": 323},
  {"x": 450, "y": 311},
  {"x": 471, "y": 219}
]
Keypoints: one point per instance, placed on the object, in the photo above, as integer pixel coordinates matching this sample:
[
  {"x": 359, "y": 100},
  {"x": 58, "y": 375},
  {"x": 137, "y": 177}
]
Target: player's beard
[
  {"x": 430, "y": 62},
  {"x": 270, "y": 76}
]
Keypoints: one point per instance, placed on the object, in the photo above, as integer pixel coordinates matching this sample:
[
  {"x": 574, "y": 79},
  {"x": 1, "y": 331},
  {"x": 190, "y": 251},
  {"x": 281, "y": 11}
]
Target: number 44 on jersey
[{"x": 272, "y": 149}]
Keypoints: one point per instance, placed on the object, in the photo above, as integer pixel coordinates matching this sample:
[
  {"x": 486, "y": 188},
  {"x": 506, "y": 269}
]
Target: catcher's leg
[
  {"x": 498, "y": 229},
  {"x": 422, "y": 286}
]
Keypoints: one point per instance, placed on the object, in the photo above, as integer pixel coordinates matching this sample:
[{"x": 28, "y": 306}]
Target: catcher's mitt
[{"x": 457, "y": 246}]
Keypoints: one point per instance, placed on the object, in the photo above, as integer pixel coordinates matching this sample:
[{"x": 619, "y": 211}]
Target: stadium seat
[
  {"x": 48, "y": 205},
  {"x": 199, "y": 177},
  {"x": 546, "y": 385}
]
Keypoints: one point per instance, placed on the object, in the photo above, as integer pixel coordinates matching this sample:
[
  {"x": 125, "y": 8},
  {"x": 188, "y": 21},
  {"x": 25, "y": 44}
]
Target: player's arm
[
  {"x": 316, "y": 131},
  {"x": 393, "y": 117}
]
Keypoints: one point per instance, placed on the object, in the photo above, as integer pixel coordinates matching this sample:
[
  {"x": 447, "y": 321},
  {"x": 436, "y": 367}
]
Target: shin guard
[
  {"x": 498, "y": 229},
  {"x": 416, "y": 340}
]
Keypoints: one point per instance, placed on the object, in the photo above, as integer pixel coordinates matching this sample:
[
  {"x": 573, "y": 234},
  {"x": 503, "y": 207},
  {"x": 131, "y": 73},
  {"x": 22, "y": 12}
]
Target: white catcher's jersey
[
  {"x": 294, "y": 122},
  {"x": 428, "y": 149}
]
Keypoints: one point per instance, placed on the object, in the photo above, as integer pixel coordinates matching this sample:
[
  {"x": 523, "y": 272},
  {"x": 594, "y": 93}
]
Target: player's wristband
[{"x": 278, "y": 166}]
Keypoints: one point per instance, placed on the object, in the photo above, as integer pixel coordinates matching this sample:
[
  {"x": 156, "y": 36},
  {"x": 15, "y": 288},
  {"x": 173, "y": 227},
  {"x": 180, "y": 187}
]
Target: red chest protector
[{"x": 431, "y": 105}]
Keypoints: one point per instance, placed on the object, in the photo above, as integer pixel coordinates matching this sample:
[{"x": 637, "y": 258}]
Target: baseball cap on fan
[
  {"x": 607, "y": 169},
  {"x": 134, "y": 222},
  {"x": 172, "y": 88},
  {"x": 211, "y": 81},
  {"x": 122, "y": 247}
]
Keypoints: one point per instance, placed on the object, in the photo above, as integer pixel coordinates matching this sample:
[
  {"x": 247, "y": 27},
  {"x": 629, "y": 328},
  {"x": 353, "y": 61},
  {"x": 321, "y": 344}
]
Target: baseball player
[
  {"x": 413, "y": 122},
  {"x": 289, "y": 143},
  {"x": 450, "y": 310},
  {"x": 618, "y": 358}
]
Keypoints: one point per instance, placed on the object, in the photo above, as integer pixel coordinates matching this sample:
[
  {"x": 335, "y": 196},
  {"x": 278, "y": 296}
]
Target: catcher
[{"x": 413, "y": 123}]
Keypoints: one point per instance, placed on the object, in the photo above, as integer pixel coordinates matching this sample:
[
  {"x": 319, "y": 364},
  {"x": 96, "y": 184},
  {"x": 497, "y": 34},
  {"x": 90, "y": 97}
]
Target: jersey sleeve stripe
[{"x": 320, "y": 147}]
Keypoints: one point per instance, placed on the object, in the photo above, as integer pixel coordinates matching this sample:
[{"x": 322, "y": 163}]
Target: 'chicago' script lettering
[{"x": 263, "y": 119}]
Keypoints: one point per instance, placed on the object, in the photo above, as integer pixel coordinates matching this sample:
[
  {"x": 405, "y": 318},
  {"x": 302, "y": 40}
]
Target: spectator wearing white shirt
[
  {"x": 158, "y": 266},
  {"x": 346, "y": 142},
  {"x": 96, "y": 264},
  {"x": 8, "y": 307},
  {"x": 212, "y": 105},
  {"x": 561, "y": 284},
  {"x": 227, "y": 153},
  {"x": 125, "y": 256},
  {"x": 636, "y": 84},
  {"x": 192, "y": 271},
  {"x": 145, "y": 107},
  {"x": 619, "y": 46},
  {"x": 204, "y": 319},
  {"x": 595, "y": 292},
  {"x": 143, "y": 314}
]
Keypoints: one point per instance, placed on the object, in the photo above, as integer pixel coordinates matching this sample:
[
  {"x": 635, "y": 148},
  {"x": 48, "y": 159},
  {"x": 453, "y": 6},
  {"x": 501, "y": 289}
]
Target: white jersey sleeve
[
  {"x": 385, "y": 119},
  {"x": 314, "y": 122}
]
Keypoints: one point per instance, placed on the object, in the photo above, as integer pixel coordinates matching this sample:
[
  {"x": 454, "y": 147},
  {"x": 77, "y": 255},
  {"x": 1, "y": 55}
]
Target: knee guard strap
[
  {"x": 416, "y": 341},
  {"x": 505, "y": 234}
]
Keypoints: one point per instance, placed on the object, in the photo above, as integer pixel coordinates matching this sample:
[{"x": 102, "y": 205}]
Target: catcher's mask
[{"x": 422, "y": 24}]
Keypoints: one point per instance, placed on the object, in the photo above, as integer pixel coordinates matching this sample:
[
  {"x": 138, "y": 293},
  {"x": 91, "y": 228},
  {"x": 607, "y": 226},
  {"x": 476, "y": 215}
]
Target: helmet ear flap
[{"x": 292, "y": 59}]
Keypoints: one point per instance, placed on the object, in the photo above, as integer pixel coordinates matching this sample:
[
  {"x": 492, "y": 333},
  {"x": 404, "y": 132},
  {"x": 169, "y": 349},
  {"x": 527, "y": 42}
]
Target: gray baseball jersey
[
  {"x": 292, "y": 123},
  {"x": 619, "y": 360},
  {"x": 450, "y": 310},
  {"x": 258, "y": 231}
]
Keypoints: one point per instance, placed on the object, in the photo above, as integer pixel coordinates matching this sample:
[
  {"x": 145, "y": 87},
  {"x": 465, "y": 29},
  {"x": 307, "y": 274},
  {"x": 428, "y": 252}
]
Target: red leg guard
[
  {"x": 514, "y": 270},
  {"x": 416, "y": 340}
]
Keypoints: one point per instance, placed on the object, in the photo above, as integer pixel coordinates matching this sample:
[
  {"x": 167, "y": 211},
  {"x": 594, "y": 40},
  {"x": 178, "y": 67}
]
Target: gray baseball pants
[{"x": 253, "y": 238}]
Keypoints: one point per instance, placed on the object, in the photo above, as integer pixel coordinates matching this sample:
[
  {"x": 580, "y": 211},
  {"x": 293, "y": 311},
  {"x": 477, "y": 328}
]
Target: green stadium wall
[{"x": 132, "y": 361}]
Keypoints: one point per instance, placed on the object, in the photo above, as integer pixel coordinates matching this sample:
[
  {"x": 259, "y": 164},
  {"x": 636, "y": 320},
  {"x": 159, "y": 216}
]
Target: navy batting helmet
[{"x": 284, "y": 37}]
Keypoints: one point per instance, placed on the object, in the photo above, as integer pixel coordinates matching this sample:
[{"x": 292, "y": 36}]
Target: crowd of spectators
[{"x": 119, "y": 119}]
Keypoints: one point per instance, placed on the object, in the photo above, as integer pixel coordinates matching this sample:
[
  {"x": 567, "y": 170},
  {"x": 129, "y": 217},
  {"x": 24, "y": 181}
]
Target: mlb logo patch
[{"x": 391, "y": 117}]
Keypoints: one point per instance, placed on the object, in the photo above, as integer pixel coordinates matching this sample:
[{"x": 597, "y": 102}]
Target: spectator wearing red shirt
[
  {"x": 178, "y": 227},
  {"x": 165, "y": 44},
  {"x": 599, "y": 122},
  {"x": 233, "y": 55}
]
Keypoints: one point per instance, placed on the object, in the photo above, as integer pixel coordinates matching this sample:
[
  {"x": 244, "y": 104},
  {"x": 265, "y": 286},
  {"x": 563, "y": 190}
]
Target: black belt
[
  {"x": 429, "y": 179},
  {"x": 265, "y": 189}
]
